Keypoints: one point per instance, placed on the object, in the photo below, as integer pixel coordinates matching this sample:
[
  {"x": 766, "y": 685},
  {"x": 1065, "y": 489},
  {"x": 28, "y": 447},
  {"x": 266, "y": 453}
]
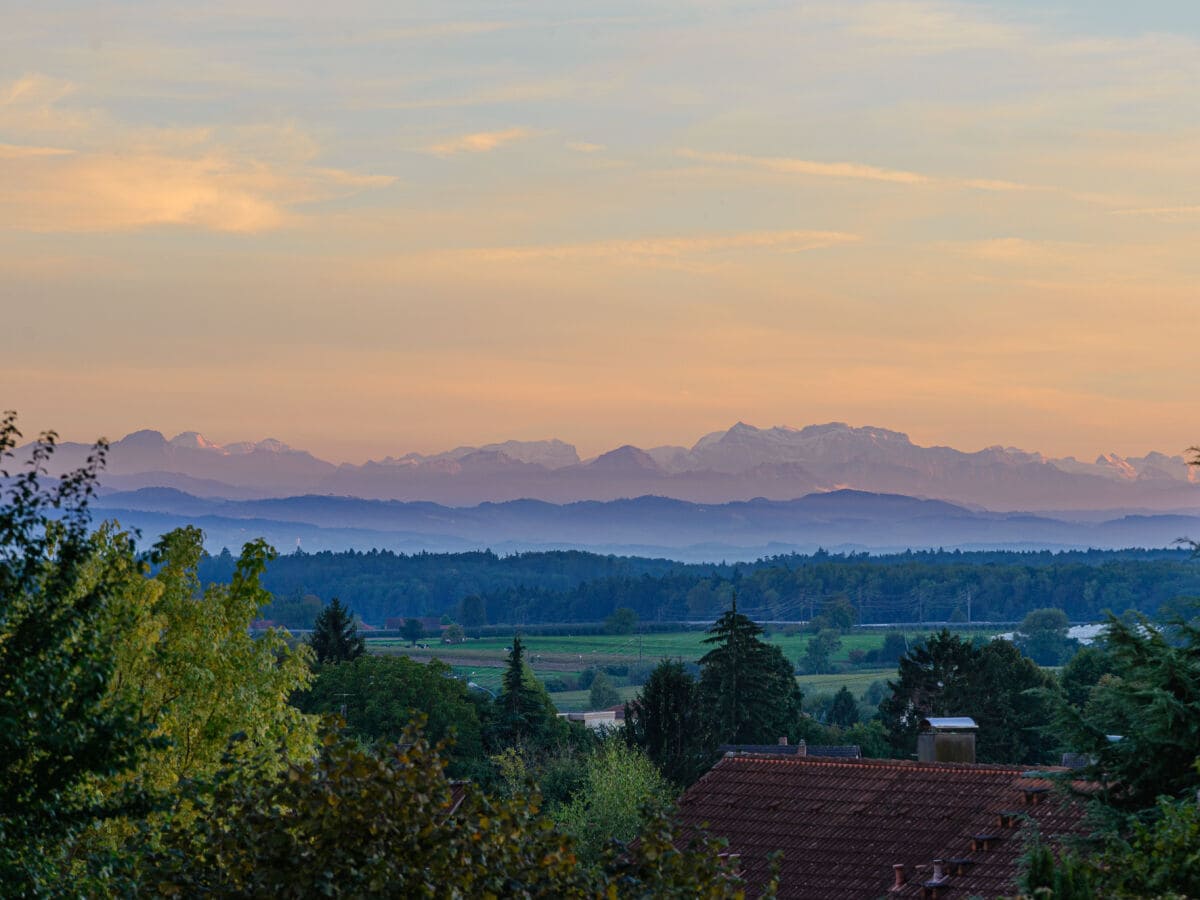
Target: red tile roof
[{"x": 842, "y": 824}]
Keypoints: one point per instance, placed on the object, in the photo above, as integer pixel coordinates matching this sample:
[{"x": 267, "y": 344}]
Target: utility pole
[{"x": 968, "y": 606}]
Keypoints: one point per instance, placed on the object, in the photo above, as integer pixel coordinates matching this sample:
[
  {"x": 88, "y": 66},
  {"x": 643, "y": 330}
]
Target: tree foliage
[
  {"x": 843, "y": 712},
  {"x": 621, "y": 789},
  {"x": 1152, "y": 701},
  {"x": 524, "y": 711},
  {"x": 190, "y": 665},
  {"x": 602, "y": 693},
  {"x": 623, "y": 620},
  {"x": 60, "y": 729},
  {"x": 946, "y": 675},
  {"x": 335, "y": 637},
  {"x": 379, "y": 696},
  {"x": 667, "y": 724},
  {"x": 356, "y": 822},
  {"x": 747, "y": 687}
]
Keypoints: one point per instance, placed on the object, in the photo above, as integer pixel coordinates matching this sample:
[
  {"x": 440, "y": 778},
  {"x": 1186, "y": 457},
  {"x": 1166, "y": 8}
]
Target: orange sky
[{"x": 365, "y": 231}]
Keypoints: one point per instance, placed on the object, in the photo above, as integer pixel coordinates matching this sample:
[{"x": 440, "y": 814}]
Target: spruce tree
[
  {"x": 335, "y": 637},
  {"x": 747, "y": 687},
  {"x": 666, "y": 723},
  {"x": 526, "y": 713}
]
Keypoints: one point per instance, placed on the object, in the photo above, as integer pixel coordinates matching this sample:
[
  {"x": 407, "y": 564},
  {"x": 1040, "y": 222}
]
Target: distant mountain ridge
[
  {"x": 741, "y": 463},
  {"x": 645, "y": 526}
]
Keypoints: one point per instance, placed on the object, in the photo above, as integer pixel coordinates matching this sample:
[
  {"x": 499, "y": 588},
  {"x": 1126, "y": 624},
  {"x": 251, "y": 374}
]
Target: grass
[{"x": 565, "y": 656}]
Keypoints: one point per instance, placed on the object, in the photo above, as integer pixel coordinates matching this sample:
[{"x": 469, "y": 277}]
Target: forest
[{"x": 573, "y": 586}]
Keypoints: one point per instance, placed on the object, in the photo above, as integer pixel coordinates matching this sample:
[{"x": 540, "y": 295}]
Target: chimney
[
  {"x": 939, "y": 873},
  {"x": 947, "y": 739},
  {"x": 898, "y": 875},
  {"x": 783, "y": 741}
]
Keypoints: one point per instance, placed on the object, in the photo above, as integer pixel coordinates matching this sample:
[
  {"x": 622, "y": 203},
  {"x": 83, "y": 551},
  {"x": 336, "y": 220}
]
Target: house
[
  {"x": 598, "y": 719},
  {"x": 869, "y": 828},
  {"x": 783, "y": 748}
]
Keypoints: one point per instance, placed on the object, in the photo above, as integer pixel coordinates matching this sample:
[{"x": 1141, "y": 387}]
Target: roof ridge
[{"x": 872, "y": 763}]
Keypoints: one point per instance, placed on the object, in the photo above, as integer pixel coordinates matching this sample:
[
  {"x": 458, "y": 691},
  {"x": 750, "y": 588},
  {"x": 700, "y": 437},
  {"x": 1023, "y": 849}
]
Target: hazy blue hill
[{"x": 652, "y": 525}]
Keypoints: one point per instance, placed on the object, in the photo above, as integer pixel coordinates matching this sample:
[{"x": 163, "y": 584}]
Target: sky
[{"x": 372, "y": 228}]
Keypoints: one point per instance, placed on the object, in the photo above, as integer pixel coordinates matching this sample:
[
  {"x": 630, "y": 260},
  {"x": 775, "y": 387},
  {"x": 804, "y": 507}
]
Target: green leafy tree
[
  {"x": 412, "y": 631},
  {"x": 472, "y": 612},
  {"x": 1083, "y": 672},
  {"x": 603, "y": 694},
  {"x": 379, "y": 696},
  {"x": 357, "y": 822},
  {"x": 1042, "y": 636},
  {"x": 666, "y": 723},
  {"x": 843, "y": 712},
  {"x": 335, "y": 637},
  {"x": 1008, "y": 696},
  {"x": 623, "y": 620},
  {"x": 925, "y": 673},
  {"x": 1152, "y": 700},
  {"x": 747, "y": 687},
  {"x": 454, "y": 634},
  {"x": 995, "y": 685},
  {"x": 621, "y": 788},
  {"x": 187, "y": 662},
  {"x": 60, "y": 729},
  {"x": 819, "y": 652}
]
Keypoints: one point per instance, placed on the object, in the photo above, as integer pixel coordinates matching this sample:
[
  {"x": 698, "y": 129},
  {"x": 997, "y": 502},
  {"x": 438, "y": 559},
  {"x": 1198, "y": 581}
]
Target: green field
[{"x": 561, "y": 658}]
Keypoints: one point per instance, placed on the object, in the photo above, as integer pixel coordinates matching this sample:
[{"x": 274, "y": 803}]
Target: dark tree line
[{"x": 585, "y": 587}]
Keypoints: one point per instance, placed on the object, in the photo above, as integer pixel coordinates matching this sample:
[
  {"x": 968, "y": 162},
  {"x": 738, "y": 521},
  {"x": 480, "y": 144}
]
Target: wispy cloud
[
  {"x": 585, "y": 147},
  {"x": 642, "y": 250},
  {"x": 112, "y": 177},
  {"x": 1164, "y": 213},
  {"x": 792, "y": 166},
  {"x": 20, "y": 151},
  {"x": 479, "y": 142},
  {"x": 847, "y": 170}
]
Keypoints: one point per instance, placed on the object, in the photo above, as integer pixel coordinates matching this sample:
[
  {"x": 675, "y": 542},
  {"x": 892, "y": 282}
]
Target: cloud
[
  {"x": 20, "y": 151},
  {"x": 478, "y": 142},
  {"x": 930, "y": 27},
  {"x": 650, "y": 250},
  {"x": 1163, "y": 213},
  {"x": 585, "y": 147},
  {"x": 808, "y": 167},
  {"x": 114, "y": 177},
  {"x": 848, "y": 170}
]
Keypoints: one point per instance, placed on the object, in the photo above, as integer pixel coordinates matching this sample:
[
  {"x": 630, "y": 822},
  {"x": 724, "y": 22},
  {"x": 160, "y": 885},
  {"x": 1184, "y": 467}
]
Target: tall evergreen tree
[
  {"x": 526, "y": 712},
  {"x": 335, "y": 637},
  {"x": 844, "y": 711},
  {"x": 666, "y": 723},
  {"x": 747, "y": 687}
]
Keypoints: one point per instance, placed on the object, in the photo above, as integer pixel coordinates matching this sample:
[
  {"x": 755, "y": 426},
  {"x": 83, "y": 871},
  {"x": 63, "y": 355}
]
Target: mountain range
[{"x": 739, "y": 464}]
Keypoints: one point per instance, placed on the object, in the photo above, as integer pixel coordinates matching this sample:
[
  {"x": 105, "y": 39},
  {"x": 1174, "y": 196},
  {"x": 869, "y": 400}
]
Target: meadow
[{"x": 561, "y": 659}]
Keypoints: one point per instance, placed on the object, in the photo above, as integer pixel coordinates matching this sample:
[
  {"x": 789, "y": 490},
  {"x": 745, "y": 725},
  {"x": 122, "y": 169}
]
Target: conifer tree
[
  {"x": 748, "y": 688},
  {"x": 526, "y": 713},
  {"x": 335, "y": 637},
  {"x": 665, "y": 722}
]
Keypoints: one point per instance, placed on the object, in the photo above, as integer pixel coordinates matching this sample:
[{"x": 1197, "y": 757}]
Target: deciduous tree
[{"x": 60, "y": 729}]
